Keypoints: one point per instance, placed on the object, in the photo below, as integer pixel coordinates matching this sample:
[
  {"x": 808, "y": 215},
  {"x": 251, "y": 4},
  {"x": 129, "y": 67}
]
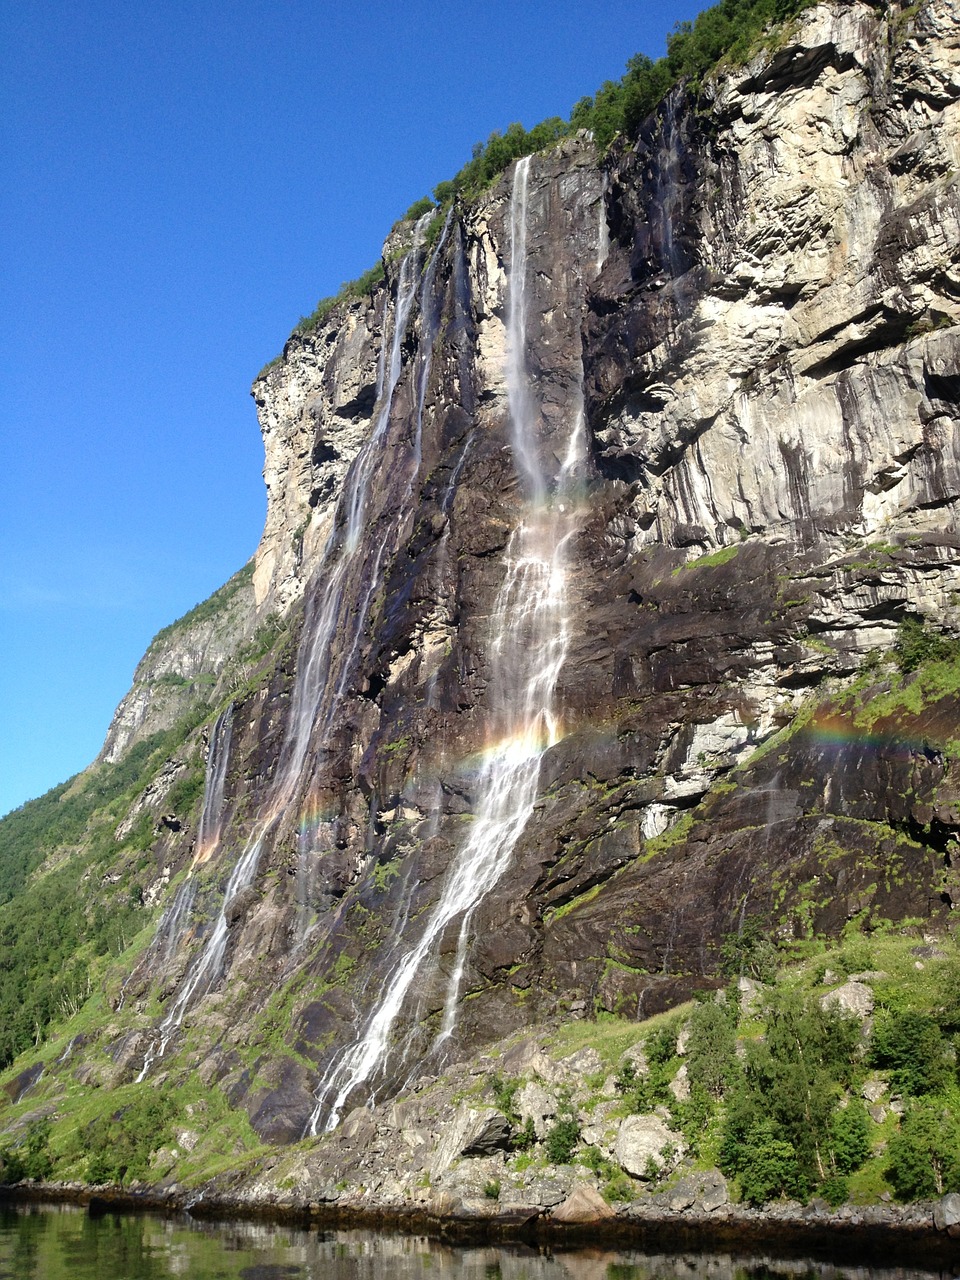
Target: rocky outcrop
[{"x": 192, "y": 663}]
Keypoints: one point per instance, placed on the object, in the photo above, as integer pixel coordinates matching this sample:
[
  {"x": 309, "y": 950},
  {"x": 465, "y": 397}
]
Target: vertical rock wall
[{"x": 759, "y": 295}]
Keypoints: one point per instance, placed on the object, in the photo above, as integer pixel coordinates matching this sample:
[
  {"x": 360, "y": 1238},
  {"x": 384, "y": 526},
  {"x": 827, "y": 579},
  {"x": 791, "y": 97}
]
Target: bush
[
  {"x": 120, "y": 1146},
  {"x": 911, "y": 1046},
  {"x": 767, "y": 1167},
  {"x": 835, "y": 1190},
  {"x": 32, "y": 1158},
  {"x": 915, "y": 645},
  {"x": 924, "y": 1157},
  {"x": 561, "y": 1141},
  {"x": 418, "y": 209},
  {"x": 749, "y": 953},
  {"x": 524, "y": 1138},
  {"x": 850, "y": 1137}
]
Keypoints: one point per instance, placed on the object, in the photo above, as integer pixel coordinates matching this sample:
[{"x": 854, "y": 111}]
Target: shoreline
[{"x": 881, "y": 1235}]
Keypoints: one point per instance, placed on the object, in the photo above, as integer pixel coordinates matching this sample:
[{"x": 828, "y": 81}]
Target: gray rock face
[
  {"x": 852, "y": 997},
  {"x": 473, "y": 1131},
  {"x": 946, "y": 1212},
  {"x": 645, "y": 1144},
  {"x": 538, "y": 1103}
]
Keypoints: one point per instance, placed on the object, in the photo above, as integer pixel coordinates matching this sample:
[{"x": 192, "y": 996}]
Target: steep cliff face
[
  {"x": 582, "y": 529},
  {"x": 194, "y": 661}
]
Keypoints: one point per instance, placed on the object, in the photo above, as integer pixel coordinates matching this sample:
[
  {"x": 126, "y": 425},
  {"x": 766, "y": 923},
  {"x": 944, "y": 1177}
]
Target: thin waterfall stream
[
  {"x": 527, "y": 643},
  {"x": 317, "y": 686}
]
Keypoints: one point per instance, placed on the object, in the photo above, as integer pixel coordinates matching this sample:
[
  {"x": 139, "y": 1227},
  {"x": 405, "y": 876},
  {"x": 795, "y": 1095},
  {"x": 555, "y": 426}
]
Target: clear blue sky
[{"x": 182, "y": 181}]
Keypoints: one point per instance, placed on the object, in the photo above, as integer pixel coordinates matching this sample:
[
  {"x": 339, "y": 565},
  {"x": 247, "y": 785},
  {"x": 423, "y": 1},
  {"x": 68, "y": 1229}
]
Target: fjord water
[
  {"x": 65, "y": 1243},
  {"x": 527, "y": 642}
]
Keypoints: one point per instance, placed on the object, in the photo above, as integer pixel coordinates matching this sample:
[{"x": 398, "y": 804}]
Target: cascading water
[
  {"x": 218, "y": 757},
  {"x": 603, "y": 236},
  {"x": 528, "y": 638},
  {"x": 317, "y": 687},
  {"x": 668, "y": 185}
]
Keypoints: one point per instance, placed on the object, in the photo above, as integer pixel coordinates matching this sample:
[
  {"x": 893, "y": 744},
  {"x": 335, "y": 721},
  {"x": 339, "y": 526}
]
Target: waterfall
[
  {"x": 603, "y": 231},
  {"x": 527, "y": 644},
  {"x": 668, "y": 181},
  {"x": 211, "y": 813},
  {"x": 318, "y": 686}
]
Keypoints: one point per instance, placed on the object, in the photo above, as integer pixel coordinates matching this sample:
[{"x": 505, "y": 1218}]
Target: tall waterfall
[
  {"x": 320, "y": 682},
  {"x": 527, "y": 645},
  {"x": 218, "y": 757}
]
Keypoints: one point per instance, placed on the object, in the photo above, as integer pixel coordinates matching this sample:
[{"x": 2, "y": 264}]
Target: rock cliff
[{"x": 659, "y": 447}]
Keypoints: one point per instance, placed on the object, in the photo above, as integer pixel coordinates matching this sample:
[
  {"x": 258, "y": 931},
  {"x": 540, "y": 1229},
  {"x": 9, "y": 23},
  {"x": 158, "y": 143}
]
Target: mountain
[{"x": 605, "y": 620}]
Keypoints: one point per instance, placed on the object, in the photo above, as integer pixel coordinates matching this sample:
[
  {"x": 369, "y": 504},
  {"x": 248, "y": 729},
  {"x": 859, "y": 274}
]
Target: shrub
[
  {"x": 768, "y": 1166},
  {"x": 911, "y": 1046},
  {"x": 916, "y": 644},
  {"x": 924, "y": 1157},
  {"x": 120, "y": 1146},
  {"x": 418, "y": 209},
  {"x": 850, "y": 1137},
  {"x": 561, "y": 1141}
]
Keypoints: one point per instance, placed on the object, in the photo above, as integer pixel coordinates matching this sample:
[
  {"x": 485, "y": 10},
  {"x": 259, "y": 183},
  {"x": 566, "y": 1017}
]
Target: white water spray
[{"x": 528, "y": 639}]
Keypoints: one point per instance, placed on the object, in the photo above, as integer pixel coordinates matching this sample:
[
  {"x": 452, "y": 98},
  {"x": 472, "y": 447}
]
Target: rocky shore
[{"x": 925, "y": 1234}]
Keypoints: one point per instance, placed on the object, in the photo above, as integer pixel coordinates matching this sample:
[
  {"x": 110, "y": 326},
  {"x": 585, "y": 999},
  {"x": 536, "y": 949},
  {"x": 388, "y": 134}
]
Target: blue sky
[{"x": 182, "y": 181}]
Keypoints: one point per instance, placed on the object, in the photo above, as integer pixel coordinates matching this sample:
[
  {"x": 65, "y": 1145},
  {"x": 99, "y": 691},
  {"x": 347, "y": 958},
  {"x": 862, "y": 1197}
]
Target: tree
[
  {"x": 710, "y": 1047},
  {"x": 850, "y": 1137},
  {"x": 925, "y": 1154},
  {"x": 911, "y": 1046}
]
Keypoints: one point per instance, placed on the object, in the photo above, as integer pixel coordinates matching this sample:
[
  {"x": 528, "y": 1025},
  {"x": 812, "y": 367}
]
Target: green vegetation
[
  {"x": 775, "y": 1081},
  {"x": 729, "y": 31},
  {"x": 56, "y": 937},
  {"x": 32, "y": 1158},
  {"x": 916, "y": 644},
  {"x": 723, "y": 555},
  {"x": 208, "y": 608},
  {"x": 564, "y": 1133},
  {"x": 119, "y": 1146},
  {"x": 348, "y": 291}
]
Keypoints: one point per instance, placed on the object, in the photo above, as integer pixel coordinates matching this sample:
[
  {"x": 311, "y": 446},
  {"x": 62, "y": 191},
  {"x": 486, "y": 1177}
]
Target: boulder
[
  {"x": 852, "y": 997},
  {"x": 537, "y": 1103},
  {"x": 646, "y": 1147},
  {"x": 597, "y": 1129},
  {"x": 583, "y": 1204},
  {"x": 473, "y": 1131},
  {"x": 873, "y": 1089},
  {"x": 713, "y": 1193},
  {"x": 946, "y": 1212},
  {"x": 679, "y": 1086},
  {"x": 750, "y": 993}
]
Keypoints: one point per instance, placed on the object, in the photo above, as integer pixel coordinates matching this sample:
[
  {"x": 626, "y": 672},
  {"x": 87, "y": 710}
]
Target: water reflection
[{"x": 64, "y": 1243}]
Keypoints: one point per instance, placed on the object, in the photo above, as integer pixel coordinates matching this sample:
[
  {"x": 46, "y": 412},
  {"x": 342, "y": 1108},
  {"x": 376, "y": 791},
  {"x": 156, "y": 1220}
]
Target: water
[
  {"x": 527, "y": 644},
  {"x": 317, "y": 687},
  {"x": 668, "y": 181},
  {"x": 65, "y": 1243},
  {"x": 218, "y": 757}
]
